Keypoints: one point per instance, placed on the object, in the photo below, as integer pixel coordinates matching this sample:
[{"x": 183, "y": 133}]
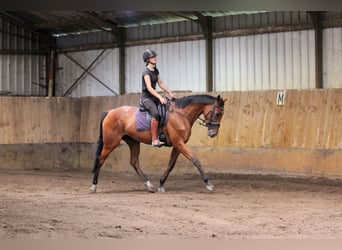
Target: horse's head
[{"x": 213, "y": 115}]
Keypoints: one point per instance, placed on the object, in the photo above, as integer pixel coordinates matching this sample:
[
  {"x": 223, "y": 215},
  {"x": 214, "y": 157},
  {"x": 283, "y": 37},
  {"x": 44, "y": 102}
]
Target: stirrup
[{"x": 158, "y": 144}]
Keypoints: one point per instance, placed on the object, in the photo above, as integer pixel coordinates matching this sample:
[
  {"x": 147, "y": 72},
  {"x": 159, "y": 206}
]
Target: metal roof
[{"x": 56, "y": 23}]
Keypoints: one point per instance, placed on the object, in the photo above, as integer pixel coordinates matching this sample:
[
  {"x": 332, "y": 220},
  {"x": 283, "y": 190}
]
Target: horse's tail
[{"x": 99, "y": 143}]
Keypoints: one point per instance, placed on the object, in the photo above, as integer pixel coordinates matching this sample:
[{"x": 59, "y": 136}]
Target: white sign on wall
[{"x": 281, "y": 98}]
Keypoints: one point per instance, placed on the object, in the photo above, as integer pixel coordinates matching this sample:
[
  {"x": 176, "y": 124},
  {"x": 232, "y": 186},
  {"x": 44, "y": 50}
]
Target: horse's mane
[{"x": 194, "y": 99}]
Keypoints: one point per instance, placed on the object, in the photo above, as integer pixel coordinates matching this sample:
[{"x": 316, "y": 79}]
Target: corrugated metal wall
[
  {"x": 22, "y": 75},
  {"x": 14, "y": 38},
  {"x": 280, "y": 60},
  {"x": 181, "y": 65},
  {"x": 22, "y": 72},
  {"x": 106, "y": 69},
  {"x": 283, "y": 60},
  {"x": 332, "y": 58}
]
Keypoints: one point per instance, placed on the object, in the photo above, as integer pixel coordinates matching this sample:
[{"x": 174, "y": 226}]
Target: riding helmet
[{"x": 148, "y": 54}]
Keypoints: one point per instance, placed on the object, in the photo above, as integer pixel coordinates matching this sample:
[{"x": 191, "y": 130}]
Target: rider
[{"x": 150, "y": 97}]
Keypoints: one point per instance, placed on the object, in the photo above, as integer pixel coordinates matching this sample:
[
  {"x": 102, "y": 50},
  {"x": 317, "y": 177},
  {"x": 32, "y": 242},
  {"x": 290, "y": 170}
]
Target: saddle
[
  {"x": 143, "y": 119},
  {"x": 162, "y": 111}
]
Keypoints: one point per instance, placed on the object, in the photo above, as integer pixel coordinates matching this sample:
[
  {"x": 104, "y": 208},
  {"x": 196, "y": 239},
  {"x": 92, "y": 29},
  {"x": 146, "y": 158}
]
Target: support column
[
  {"x": 121, "y": 38},
  {"x": 316, "y": 17},
  {"x": 209, "y": 54},
  {"x": 51, "y": 82},
  {"x": 207, "y": 27}
]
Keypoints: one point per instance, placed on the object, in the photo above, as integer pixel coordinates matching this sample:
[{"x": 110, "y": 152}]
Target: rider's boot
[{"x": 154, "y": 132}]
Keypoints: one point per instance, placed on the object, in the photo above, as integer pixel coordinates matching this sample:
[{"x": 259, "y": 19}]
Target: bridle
[{"x": 210, "y": 123}]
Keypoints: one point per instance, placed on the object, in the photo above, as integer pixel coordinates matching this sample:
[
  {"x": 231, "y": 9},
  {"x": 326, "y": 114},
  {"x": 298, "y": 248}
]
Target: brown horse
[{"x": 120, "y": 124}]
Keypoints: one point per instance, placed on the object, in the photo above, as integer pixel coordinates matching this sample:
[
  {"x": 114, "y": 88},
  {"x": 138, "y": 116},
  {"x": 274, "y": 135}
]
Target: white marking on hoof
[
  {"x": 93, "y": 188},
  {"x": 210, "y": 186},
  {"x": 149, "y": 186},
  {"x": 161, "y": 189}
]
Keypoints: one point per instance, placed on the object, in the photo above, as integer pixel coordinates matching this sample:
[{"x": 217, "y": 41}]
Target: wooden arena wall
[{"x": 302, "y": 137}]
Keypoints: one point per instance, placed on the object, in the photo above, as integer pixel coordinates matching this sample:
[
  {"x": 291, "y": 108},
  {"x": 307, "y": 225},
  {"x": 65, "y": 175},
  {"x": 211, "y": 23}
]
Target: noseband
[{"x": 210, "y": 123}]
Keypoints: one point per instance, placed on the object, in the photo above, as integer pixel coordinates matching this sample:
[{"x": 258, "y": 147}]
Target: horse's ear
[{"x": 219, "y": 99}]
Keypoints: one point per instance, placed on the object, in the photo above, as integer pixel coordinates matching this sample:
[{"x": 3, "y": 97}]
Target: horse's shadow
[
  {"x": 171, "y": 189},
  {"x": 122, "y": 191}
]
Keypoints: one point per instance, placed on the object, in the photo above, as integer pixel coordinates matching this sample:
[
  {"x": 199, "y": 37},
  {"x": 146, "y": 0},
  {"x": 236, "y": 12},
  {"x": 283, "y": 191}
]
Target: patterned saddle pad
[{"x": 143, "y": 120}]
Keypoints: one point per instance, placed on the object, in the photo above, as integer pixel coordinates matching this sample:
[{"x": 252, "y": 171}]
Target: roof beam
[
  {"x": 101, "y": 22},
  {"x": 186, "y": 15}
]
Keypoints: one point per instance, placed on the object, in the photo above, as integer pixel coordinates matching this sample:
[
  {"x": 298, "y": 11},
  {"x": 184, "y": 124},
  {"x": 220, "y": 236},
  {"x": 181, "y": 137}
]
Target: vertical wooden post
[
  {"x": 209, "y": 53},
  {"x": 207, "y": 27},
  {"x": 121, "y": 38},
  {"x": 51, "y": 73},
  {"x": 316, "y": 17}
]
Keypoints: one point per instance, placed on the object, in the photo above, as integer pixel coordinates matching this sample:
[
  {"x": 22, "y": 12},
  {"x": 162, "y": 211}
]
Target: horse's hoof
[
  {"x": 161, "y": 189},
  {"x": 149, "y": 186},
  {"x": 210, "y": 186},
  {"x": 93, "y": 189}
]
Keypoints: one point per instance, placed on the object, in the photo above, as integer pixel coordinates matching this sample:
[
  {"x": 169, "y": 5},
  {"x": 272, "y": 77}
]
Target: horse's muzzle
[{"x": 212, "y": 132}]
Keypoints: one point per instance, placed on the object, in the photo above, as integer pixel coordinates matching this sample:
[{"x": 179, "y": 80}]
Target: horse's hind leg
[
  {"x": 134, "y": 147},
  {"x": 103, "y": 151},
  {"x": 98, "y": 164}
]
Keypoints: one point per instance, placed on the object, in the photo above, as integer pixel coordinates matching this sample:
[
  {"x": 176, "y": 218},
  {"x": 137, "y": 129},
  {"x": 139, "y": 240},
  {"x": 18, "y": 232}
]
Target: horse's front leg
[
  {"x": 186, "y": 152},
  {"x": 205, "y": 178},
  {"x": 173, "y": 158}
]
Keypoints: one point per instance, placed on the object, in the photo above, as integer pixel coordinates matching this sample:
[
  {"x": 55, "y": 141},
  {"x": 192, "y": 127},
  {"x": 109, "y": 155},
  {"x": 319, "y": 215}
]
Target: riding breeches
[{"x": 151, "y": 107}]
